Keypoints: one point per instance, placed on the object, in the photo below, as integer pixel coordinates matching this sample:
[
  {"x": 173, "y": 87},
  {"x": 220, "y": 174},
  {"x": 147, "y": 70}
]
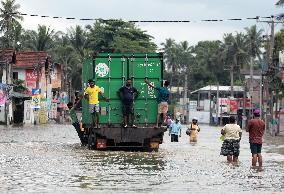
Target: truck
[{"x": 110, "y": 72}]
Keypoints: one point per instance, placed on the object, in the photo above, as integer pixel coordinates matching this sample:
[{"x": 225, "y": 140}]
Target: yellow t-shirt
[{"x": 93, "y": 94}]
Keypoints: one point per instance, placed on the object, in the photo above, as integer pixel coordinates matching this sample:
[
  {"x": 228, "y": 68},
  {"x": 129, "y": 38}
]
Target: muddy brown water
[{"x": 49, "y": 159}]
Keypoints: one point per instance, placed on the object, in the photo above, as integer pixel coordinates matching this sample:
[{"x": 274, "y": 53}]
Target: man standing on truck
[
  {"x": 128, "y": 95},
  {"x": 163, "y": 99},
  {"x": 256, "y": 129},
  {"x": 92, "y": 94}
]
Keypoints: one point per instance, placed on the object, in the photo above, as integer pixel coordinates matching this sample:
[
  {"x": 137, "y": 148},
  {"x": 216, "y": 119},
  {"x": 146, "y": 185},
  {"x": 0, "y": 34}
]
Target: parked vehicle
[{"x": 110, "y": 71}]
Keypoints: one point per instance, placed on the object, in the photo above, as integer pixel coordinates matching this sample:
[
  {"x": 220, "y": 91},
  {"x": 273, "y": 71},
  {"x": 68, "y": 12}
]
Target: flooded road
[{"x": 50, "y": 160}]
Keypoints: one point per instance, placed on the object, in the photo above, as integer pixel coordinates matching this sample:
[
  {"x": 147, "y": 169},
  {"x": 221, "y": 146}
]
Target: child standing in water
[{"x": 193, "y": 130}]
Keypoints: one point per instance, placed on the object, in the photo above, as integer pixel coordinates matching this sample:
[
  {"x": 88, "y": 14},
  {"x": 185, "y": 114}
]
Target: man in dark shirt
[
  {"x": 163, "y": 99},
  {"x": 256, "y": 129},
  {"x": 128, "y": 95}
]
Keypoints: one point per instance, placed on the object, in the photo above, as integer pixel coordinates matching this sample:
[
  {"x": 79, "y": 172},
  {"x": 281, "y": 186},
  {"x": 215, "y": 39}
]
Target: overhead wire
[{"x": 147, "y": 21}]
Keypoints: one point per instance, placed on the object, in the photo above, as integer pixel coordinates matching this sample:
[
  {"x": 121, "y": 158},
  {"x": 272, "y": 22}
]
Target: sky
[{"x": 194, "y": 10}]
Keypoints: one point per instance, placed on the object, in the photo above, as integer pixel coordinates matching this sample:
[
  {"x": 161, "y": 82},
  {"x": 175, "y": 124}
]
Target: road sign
[
  {"x": 36, "y": 101},
  {"x": 36, "y": 91}
]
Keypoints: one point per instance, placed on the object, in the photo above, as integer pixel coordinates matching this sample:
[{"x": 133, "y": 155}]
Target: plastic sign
[
  {"x": 102, "y": 70},
  {"x": 36, "y": 101},
  {"x": 36, "y": 91}
]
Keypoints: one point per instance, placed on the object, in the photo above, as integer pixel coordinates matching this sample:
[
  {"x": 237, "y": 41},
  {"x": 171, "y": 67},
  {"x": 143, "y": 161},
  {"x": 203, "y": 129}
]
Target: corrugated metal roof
[
  {"x": 221, "y": 88},
  {"x": 30, "y": 59}
]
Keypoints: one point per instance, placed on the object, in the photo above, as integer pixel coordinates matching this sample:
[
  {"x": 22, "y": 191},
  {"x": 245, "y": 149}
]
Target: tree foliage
[{"x": 209, "y": 62}]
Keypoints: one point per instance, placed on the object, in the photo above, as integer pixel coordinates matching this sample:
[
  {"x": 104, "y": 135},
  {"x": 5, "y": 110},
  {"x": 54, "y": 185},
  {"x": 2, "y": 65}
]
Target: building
[
  {"x": 203, "y": 94},
  {"x": 30, "y": 66},
  {"x": 37, "y": 69},
  {"x": 213, "y": 103}
]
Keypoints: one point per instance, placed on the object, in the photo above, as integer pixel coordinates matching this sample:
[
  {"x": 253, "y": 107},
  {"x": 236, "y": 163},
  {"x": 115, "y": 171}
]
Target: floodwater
[{"x": 49, "y": 159}]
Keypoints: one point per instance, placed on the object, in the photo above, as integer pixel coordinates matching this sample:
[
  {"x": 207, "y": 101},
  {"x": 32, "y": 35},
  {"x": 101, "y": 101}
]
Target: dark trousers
[
  {"x": 80, "y": 133},
  {"x": 174, "y": 138}
]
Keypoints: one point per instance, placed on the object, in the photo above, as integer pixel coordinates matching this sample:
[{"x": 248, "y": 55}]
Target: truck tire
[{"x": 91, "y": 141}]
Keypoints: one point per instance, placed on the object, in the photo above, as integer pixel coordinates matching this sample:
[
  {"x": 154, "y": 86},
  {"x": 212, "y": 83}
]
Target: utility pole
[
  {"x": 185, "y": 111},
  {"x": 210, "y": 109},
  {"x": 244, "y": 114},
  {"x": 232, "y": 80},
  {"x": 217, "y": 105},
  {"x": 251, "y": 85},
  {"x": 268, "y": 95}
]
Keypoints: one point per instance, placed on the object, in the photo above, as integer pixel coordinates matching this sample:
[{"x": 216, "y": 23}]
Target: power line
[{"x": 147, "y": 21}]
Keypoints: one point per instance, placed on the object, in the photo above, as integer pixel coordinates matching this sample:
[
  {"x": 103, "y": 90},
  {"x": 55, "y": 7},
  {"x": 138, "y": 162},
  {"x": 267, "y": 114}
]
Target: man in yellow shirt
[{"x": 92, "y": 94}]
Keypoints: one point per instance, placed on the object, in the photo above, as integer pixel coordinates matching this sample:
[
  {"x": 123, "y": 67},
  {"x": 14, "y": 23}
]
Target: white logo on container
[{"x": 102, "y": 70}]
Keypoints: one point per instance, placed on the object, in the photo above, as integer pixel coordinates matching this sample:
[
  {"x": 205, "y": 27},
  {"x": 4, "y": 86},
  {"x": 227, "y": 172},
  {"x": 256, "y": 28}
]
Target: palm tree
[
  {"x": 235, "y": 54},
  {"x": 280, "y": 3},
  {"x": 79, "y": 41},
  {"x": 254, "y": 40},
  {"x": 9, "y": 19},
  {"x": 170, "y": 55},
  {"x": 65, "y": 54},
  {"x": 42, "y": 40}
]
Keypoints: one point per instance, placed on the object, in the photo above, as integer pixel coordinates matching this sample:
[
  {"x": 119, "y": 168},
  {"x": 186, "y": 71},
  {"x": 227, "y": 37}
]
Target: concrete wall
[{"x": 202, "y": 116}]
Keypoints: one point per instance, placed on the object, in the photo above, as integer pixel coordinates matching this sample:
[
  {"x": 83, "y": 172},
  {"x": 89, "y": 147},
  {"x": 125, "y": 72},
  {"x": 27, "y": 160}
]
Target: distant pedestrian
[
  {"x": 256, "y": 129},
  {"x": 163, "y": 100},
  {"x": 231, "y": 145},
  {"x": 169, "y": 121},
  {"x": 175, "y": 130},
  {"x": 75, "y": 121},
  {"x": 128, "y": 94},
  {"x": 194, "y": 129}
]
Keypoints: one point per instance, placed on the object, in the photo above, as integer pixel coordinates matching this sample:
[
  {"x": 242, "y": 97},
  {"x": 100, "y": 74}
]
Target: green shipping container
[{"x": 110, "y": 72}]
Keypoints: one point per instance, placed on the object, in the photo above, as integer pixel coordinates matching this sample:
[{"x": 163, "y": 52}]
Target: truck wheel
[{"x": 91, "y": 141}]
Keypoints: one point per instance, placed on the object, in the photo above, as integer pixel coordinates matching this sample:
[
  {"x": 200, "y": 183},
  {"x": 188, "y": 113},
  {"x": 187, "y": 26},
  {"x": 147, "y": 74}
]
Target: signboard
[
  {"x": 36, "y": 91},
  {"x": 233, "y": 106},
  {"x": 3, "y": 97},
  {"x": 36, "y": 101},
  {"x": 223, "y": 101},
  {"x": 31, "y": 78},
  {"x": 53, "y": 111},
  {"x": 48, "y": 96},
  {"x": 192, "y": 105},
  {"x": 63, "y": 99},
  {"x": 42, "y": 115}
]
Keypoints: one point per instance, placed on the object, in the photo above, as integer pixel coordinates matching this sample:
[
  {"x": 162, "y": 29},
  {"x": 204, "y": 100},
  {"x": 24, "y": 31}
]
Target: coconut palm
[
  {"x": 78, "y": 40},
  {"x": 40, "y": 40},
  {"x": 170, "y": 55},
  {"x": 9, "y": 15},
  {"x": 280, "y": 3},
  {"x": 254, "y": 40},
  {"x": 9, "y": 21}
]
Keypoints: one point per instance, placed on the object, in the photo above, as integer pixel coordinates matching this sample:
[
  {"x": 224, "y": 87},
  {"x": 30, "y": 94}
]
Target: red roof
[
  {"x": 7, "y": 54},
  {"x": 30, "y": 59}
]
